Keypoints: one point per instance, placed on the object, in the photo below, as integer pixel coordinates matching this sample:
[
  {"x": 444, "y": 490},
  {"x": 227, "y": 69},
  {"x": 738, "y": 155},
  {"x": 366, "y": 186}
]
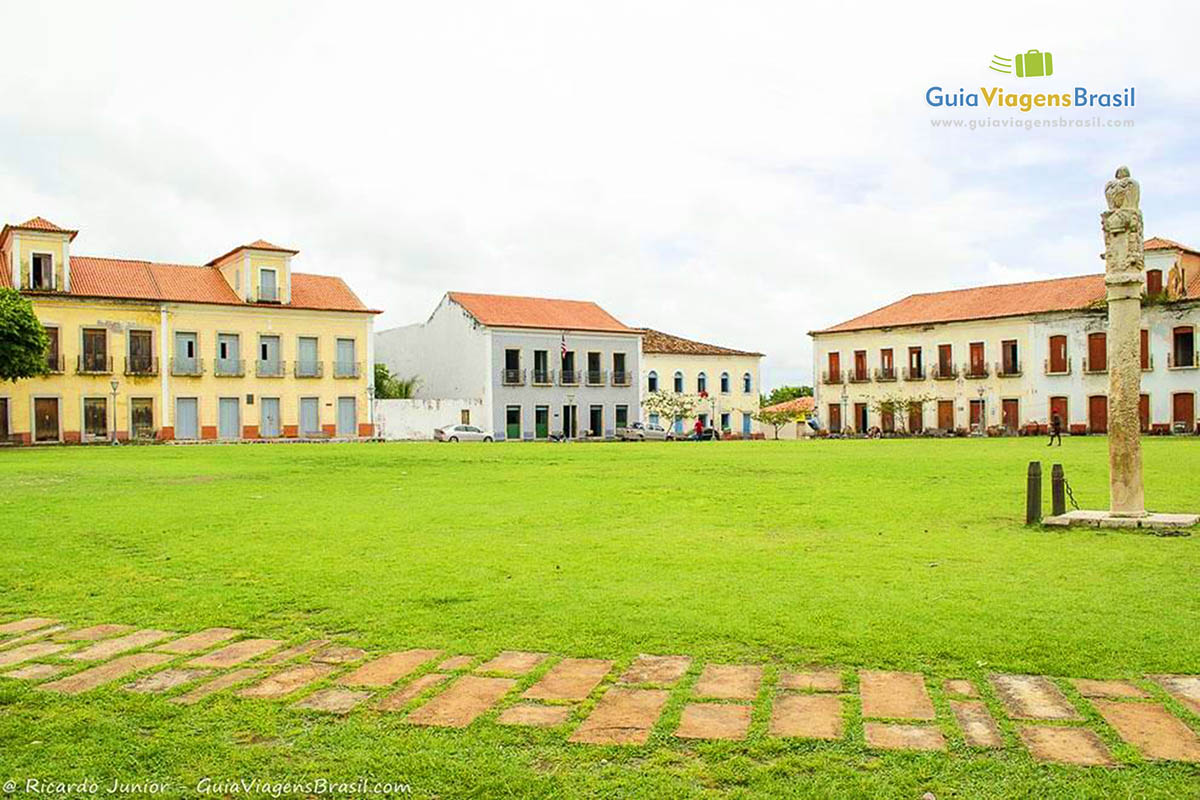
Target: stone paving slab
[
  {"x": 94, "y": 633},
  {"x": 28, "y": 652},
  {"x": 198, "y": 641},
  {"x": 887, "y": 736},
  {"x": 287, "y": 681},
  {"x": 463, "y": 702},
  {"x": 340, "y": 655},
  {"x": 714, "y": 721},
  {"x": 961, "y": 687},
  {"x": 660, "y": 670},
  {"x": 26, "y": 625},
  {"x": 534, "y": 715},
  {"x": 1109, "y": 689},
  {"x": 386, "y": 670},
  {"x": 1033, "y": 697},
  {"x": 570, "y": 679},
  {"x": 978, "y": 727},
  {"x": 1184, "y": 688},
  {"x": 236, "y": 653},
  {"x": 105, "y": 673},
  {"x": 35, "y": 672},
  {"x": 1151, "y": 729},
  {"x": 335, "y": 700},
  {"x": 218, "y": 684},
  {"x": 820, "y": 680},
  {"x": 397, "y": 700},
  {"x": 159, "y": 682},
  {"x": 1058, "y": 745},
  {"x": 513, "y": 662},
  {"x": 807, "y": 716},
  {"x": 295, "y": 651},
  {"x": 894, "y": 695},
  {"x": 107, "y": 648},
  {"x": 32, "y": 636},
  {"x": 454, "y": 663},
  {"x": 729, "y": 682},
  {"x": 623, "y": 716}
]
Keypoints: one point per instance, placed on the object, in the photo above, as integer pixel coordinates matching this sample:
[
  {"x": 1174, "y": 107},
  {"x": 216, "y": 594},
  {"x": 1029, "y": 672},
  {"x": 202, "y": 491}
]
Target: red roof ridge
[
  {"x": 257, "y": 244},
  {"x": 520, "y": 297},
  {"x": 1000, "y": 285},
  {"x": 1163, "y": 243},
  {"x": 538, "y": 313},
  {"x": 715, "y": 349}
]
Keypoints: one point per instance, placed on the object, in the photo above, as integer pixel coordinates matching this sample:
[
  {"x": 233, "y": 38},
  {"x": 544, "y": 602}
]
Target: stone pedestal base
[{"x": 1106, "y": 519}]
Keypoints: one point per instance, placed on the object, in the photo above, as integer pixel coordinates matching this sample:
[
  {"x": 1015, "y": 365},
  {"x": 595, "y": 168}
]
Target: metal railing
[
  {"x": 596, "y": 377},
  {"x": 1172, "y": 363},
  {"x": 1093, "y": 369},
  {"x": 943, "y": 372},
  {"x": 834, "y": 377},
  {"x": 885, "y": 374},
  {"x": 93, "y": 364},
  {"x": 268, "y": 294},
  {"x": 859, "y": 376},
  {"x": 308, "y": 369},
  {"x": 270, "y": 369},
  {"x": 568, "y": 377},
  {"x": 512, "y": 377},
  {"x": 229, "y": 367},
  {"x": 975, "y": 370},
  {"x": 185, "y": 367},
  {"x": 56, "y": 365},
  {"x": 1066, "y": 370},
  {"x": 1149, "y": 365},
  {"x": 141, "y": 365},
  {"x": 1012, "y": 370},
  {"x": 914, "y": 373},
  {"x": 346, "y": 369},
  {"x": 543, "y": 377},
  {"x": 621, "y": 378}
]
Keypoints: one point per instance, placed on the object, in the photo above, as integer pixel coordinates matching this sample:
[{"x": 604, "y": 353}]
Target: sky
[{"x": 737, "y": 173}]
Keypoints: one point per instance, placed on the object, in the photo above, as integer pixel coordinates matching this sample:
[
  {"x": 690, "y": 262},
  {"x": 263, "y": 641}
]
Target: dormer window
[
  {"x": 268, "y": 287},
  {"x": 41, "y": 272}
]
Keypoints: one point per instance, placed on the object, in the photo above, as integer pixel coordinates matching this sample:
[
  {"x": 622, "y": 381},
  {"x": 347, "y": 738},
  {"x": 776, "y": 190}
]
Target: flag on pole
[{"x": 564, "y": 345}]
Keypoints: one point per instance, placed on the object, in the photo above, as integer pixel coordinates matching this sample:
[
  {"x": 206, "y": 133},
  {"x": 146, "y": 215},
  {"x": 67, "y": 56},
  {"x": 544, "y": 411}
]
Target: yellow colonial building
[{"x": 239, "y": 348}]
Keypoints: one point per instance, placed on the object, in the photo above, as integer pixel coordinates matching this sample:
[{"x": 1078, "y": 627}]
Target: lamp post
[
  {"x": 114, "y": 384},
  {"x": 845, "y": 406},
  {"x": 371, "y": 407}
]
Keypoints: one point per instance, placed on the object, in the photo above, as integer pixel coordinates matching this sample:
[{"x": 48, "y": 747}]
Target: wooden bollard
[
  {"x": 1033, "y": 494},
  {"x": 1058, "y": 490}
]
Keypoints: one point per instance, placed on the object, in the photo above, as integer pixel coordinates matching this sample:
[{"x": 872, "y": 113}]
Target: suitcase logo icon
[{"x": 1030, "y": 64}]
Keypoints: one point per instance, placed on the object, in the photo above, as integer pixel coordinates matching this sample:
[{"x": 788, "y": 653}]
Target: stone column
[{"x": 1124, "y": 265}]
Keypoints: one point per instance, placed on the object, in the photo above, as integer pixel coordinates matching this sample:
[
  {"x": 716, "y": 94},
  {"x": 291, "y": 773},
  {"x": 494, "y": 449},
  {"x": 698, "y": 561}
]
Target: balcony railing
[
  {"x": 622, "y": 378},
  {"x": 141, "y": 365},
  {"x": 94, "y": 365},
  {"x": 192, "y": 367},
  {"x": 914, "y": 373},
  {"x": 229, "y": 367},
  {"x": 834, "y": 377},
  {"x": 975, "y": 371},
  {"x": 1011, "y": 370},
  {"x": 1149, "y": 365},
  {"x": 56, "y": 365},
  {"x": 346, "y": 369},
  {"x": 543, "y": 377},
  {"x": 568, "y": 377},
  {"x": 885, "y": 374},
  {"x": 1058, "y": 369},
  {"x": 512, "y": 377},
  {"x": 1172, "y": 363},
  {"x": 1094, "y": 369},
  {"x": 308, "y": 369},
  {"x": 596, "y": 377},
  {"x": 943, "y": 372},
  {"x": 273, "y": 369},
  {"x": 268, "y": 294},
  {"x": 859, "y": 376}
]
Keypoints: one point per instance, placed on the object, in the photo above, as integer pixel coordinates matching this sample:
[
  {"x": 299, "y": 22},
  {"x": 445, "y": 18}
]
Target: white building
[{"x": 1012, "y": 355}]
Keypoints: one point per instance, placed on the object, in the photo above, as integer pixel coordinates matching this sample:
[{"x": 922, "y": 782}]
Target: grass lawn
[{"x": 884, "y": 554}]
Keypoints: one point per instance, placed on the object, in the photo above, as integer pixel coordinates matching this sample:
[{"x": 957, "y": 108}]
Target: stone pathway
[{"x": 1157, "y": 717}]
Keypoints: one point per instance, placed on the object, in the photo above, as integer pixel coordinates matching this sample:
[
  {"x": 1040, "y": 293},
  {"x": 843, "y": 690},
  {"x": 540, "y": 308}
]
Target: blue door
[
  {"x": 679, "y": 424},
  {"x": 745, "y": 424}
]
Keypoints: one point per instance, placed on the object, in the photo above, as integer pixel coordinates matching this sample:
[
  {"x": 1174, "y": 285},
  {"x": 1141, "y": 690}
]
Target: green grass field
[{"x": 888, "y": 554}]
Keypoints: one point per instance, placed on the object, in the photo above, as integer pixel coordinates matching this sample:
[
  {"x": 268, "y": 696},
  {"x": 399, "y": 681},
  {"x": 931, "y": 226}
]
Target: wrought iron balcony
[
  {"x": 859, "y": 376},
  {"x": 94, "y": 364},
  {"x": 543, "y": 377},
  {"x": 308, "y": 369},
  {"x": 596, "y": 377},
  {"x": 914, "y": 373},
  {"x": 622, "y": 378},
  {"x": 1058, "y": 369},
  {"x": 885, "y": 374},
  {"x": 55, "y": 365},
  {"x": 187, "y": 367},
  {"x": 1174, "y": 363},
  {"x": 347, "y": 369},
  {"x": 1148, "y": 366},
  {"x": 1095, "y": 369},
  {"x": 975, "y": 371},
  {"x": 229, "y": 367},
  {"x": 1012, "y": 370},
  {"x": 512, "y": 377},
  {"x": 568, "y": 377},
  {"x": 141, "y": 365},
  {"x": 944, "y": 372},
  {"x": 268, "y": 294},
  {"x": 831, "y": 378},
  {"x": 272, "y": 369}
]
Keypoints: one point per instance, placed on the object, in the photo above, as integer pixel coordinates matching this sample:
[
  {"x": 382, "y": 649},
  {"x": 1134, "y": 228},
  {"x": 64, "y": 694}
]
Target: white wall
[
  {"x": 416, "y": 419},
  {"x": 449, "y": 353}
]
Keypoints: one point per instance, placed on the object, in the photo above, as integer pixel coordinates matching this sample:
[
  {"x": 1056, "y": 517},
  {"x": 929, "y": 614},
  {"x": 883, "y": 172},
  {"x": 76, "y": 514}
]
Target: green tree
[
  {"x": 778, "y": 417},
  {"x": 671, "y": 406},
  {"x": 393, "y": 387},
  {"x": 23, "y": 340},
  {"x": 782, "y": 394}
]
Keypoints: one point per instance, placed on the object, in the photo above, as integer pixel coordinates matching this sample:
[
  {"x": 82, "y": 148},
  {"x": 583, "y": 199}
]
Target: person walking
[{"x": 1055, "y": 430}]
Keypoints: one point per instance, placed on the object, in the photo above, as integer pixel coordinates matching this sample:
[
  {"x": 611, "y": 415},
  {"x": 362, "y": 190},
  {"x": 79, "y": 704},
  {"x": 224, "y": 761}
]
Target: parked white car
[
  {"x": 462, "y": 433},
  {"x": 640, "y": 432}
]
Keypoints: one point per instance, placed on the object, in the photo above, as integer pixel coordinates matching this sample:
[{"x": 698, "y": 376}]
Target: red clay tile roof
[
  {"x": 658, "y": 342},
  {"x": 257, "y": 244},
  {"x": 144, "y": 280},
  {"x": 804, "y": 404},
  {"x": 36, "y": 224},
  {"x": 507, "y": 311},
  {"x": 1159, "y": 243}
]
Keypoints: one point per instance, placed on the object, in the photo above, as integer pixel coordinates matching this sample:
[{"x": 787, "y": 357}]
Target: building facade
[
  {"x": 1012, "y": 356},
  {"x": 239, "y": 348},
  {"x": 541, "y": 367},
  {"x": 726, "y": 379}
]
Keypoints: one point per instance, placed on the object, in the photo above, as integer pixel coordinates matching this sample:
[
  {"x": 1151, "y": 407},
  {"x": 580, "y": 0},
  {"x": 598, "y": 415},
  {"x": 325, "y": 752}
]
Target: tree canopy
[{"x": 23, "y": 339}]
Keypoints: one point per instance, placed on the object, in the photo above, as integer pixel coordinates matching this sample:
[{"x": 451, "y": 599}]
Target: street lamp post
[
  {"x": 114, "y": 384},
  {"x": 845, "y": 406}
]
